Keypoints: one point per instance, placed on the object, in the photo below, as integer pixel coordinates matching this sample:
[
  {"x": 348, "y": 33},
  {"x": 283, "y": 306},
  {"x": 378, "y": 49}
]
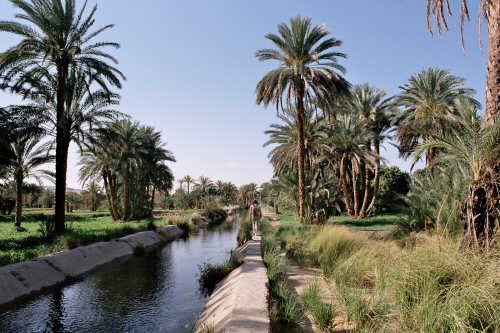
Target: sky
[{"x": 191, "y": 69}]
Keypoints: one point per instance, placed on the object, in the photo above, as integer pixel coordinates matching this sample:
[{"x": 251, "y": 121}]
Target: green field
[{"x": 19, "y": 246}]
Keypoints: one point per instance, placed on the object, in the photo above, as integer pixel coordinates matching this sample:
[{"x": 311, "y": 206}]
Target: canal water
[{"x": 158, "y": 292}]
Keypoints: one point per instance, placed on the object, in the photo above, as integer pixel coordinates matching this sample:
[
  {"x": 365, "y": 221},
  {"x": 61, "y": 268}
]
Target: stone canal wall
[
  {"x": 239, "y": 303},
  {"x": 23, "y": 279}
]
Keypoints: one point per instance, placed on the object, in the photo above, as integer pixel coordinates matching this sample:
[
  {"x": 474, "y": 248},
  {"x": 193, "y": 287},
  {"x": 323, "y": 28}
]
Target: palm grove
[
  {"x": 326, "y": 150},
  {"x": 67, "y": 78}
]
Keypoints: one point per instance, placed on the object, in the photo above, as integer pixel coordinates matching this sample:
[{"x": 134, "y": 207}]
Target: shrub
[
  {"x": 212, "y": 274},
  {"x": 185, "y": 227},
  {"x": 215, "y": 216}
]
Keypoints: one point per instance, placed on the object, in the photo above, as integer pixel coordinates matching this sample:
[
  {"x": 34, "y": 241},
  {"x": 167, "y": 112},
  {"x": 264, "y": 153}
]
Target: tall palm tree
[
  {"x": 348, "y": 136},
  {"x": 56, "y": 38},
  {"x": 204, "y": 185},
  {"x": 181, "y": 183},
  {"x": 490, "y": 10},
  {"x": 188, "y": 180},
  {"x": 28, "y": 156},
  {"x": 376, "y": 111},
  {"x": 427, "y": 102},
  {"x": 474, "y": 148},
  {"x": 97, "y": 163},
  {"x": 126, "y": 152},
  {"x": 156, "y": 173},
  {"x": 308, "y": 70}
]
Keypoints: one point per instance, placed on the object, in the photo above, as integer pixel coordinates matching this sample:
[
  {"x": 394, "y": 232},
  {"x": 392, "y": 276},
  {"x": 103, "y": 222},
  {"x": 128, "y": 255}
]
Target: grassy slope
[{"x": 19, "y": 246}]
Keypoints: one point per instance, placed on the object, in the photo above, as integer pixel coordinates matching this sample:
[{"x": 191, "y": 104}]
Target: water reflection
[{"x": 154, "y": 293}]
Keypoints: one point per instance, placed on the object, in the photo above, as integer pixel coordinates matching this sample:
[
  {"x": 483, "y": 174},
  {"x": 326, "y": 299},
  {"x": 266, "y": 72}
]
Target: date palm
[
  {"x": 55, "y": 37},
  {"x": 126, "y": 153},
  {"x": 427, "y": 102},
  {"x": 188, "y": 180},
  {"x": 28, "y": 156},
  {"x": 308, "y": 70},
  {"x": 283, "y": 138},
  {"x": 348, "y": 136},
  {"x": 376, "y": 110},
  {"x": 489, "y": 10},
  {"x": 474, "y": 148}
]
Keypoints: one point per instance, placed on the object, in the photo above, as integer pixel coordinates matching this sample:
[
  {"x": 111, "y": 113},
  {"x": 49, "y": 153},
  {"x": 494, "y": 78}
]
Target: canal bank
[
  {"x": 155, "y": 292},
  {"x": 239, "y": 303},
  {"x": 22, "y": 280}
]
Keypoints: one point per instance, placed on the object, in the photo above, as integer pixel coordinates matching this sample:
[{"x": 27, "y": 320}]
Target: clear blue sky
[{"x": 192, "y": 71}]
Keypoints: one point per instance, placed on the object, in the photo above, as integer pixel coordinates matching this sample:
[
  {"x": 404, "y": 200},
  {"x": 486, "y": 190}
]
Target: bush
[
  {"x": 215, "y": 216},
  {"x": 185, "y": 226},
  {"x": 212, "y": 274}
]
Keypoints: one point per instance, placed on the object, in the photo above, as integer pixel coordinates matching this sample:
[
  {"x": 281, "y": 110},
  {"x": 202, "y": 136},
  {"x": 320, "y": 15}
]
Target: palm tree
[
  {"x": 204, "y": 185},
  {"x": 490, "y": 10},
  {"x": 474, "y": 148},
  {"x": 427, "y": 102},
  {"x": 376, "y": 110},
  {"x": 284, "y": 138},
  {"x": 188, "y": 180},
  {"x": 308, "y": 70},
  {"x": 181, "y": 183},
  {"x": 348, "y": 136},
  {"x": 156, "y": 173},
  {"x": 28, "y": 155},
  {"x": 96, "y": 163},
  {"x": 48, "y": 50},
  {"x": 126, "y": 153}
]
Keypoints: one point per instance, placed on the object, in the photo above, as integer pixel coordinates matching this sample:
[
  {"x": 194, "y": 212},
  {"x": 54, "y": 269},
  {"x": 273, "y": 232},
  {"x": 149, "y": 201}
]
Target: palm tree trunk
[
  {"x": 62, "y": 147},
  {"x": 376, "y": 181},
  {"x": 343, "y": 177},
  {"x": 107, "y": 188},
  {"x": 430, "y": 160},
  {"x": 493, "y": 72},
  {"x": 153, "y": 199},
  {"x": 19, "y": 198},
  {"x": 114, "y": 197},
  {"x": 300, "y": 147},
  {"x": 355, "y": 194},
  {"x": 126, "y": 195},
  {"x": 366, "y": 194}
]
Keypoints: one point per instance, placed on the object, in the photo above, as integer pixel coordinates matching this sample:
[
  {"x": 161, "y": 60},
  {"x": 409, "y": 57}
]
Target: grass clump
[
  {"x": 211, "y": 274},
  {"x": 429, "y": 287},
  {"x": 332, "y": 245},
  {"x": 323, "y": 313},
  {"x": 244, "y": 233},
  {"x": 285, "y": 310}
]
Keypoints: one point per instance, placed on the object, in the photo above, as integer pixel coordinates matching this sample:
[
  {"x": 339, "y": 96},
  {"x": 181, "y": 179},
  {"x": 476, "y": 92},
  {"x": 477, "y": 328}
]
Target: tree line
[{"x": 326, "y": 149}]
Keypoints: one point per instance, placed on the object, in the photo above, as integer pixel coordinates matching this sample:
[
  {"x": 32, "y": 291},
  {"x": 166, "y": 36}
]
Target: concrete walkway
[{"x": 239, "y": 303}]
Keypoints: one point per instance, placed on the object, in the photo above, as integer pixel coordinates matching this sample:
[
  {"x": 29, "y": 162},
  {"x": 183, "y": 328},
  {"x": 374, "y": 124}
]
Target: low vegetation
[
  {"x": 211, "y": 274},
  {"x": 421, "y": 284},
  {"x": 38, "y": 238},
  {"x": 285, "y": 309}
]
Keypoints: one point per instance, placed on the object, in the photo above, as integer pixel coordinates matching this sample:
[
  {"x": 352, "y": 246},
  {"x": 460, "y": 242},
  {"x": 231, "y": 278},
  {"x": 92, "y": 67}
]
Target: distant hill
[{"x": 68, "y": 189}]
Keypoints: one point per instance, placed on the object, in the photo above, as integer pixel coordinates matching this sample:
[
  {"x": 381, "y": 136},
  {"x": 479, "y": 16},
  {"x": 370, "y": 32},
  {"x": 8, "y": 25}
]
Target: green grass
[
  {"x": 20, "y": 246},
  {"x": 212, "y": 274},
  {"x": 380, "y": 223}
]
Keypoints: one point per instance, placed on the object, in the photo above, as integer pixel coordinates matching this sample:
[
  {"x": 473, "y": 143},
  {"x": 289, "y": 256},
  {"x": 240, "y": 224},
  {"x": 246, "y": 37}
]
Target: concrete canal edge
[
  {"x": 239, "y": 303},
  {"x": 21, "y": 280}
]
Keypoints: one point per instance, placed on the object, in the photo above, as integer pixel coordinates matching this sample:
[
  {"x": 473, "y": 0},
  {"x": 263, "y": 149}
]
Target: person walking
[{"x": 255, "y": 216}]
